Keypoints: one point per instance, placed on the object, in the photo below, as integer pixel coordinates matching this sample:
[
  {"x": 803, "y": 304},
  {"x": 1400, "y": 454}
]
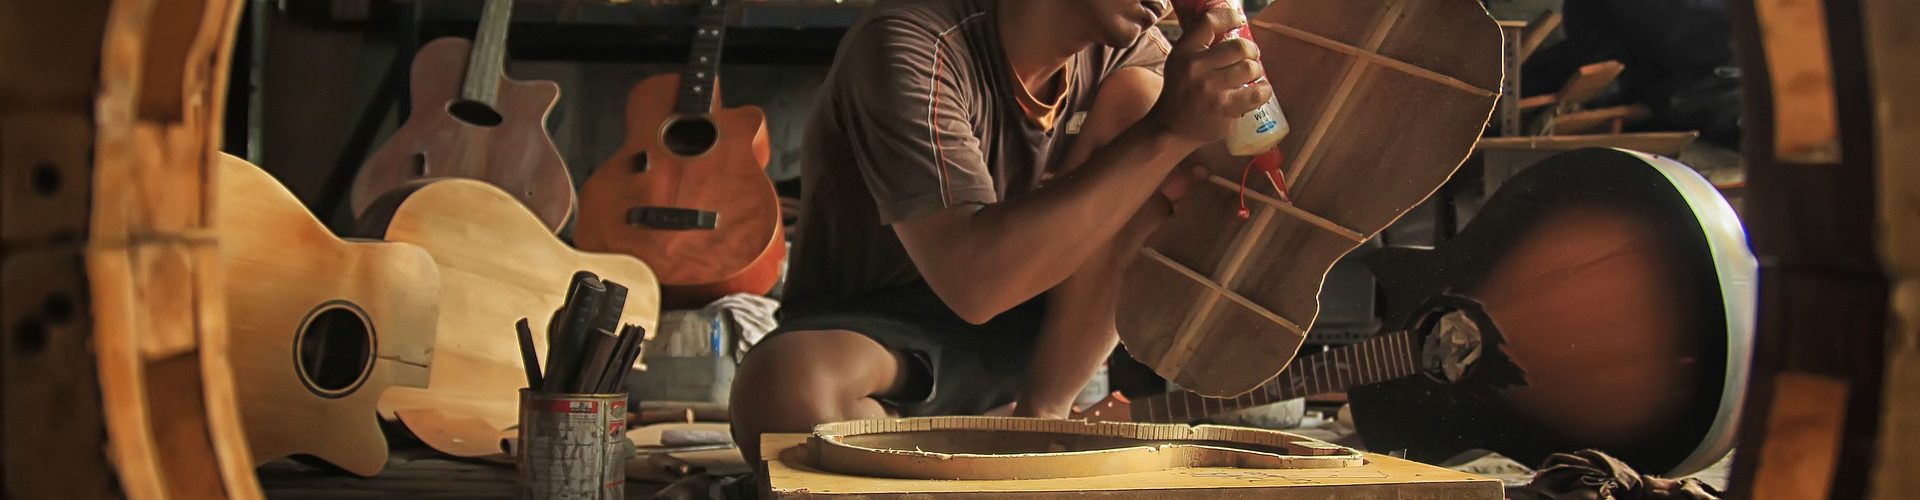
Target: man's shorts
[{"x": 957, "y": 368}]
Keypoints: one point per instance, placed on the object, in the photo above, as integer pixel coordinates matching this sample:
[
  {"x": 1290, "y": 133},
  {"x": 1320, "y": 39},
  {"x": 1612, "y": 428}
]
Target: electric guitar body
[
  {"x": 320, "y": 328},
  {"x": 469, "y": 120},
  {"x": 688, "y": 192}
]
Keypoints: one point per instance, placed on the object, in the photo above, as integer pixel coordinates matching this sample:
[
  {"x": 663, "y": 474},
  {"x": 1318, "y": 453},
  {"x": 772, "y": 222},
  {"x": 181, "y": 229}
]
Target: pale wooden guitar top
[
  {"x": 284, "y": 269},
  {"x": 498, "y": 263}
]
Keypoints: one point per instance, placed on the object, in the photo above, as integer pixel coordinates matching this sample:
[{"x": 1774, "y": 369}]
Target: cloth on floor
[
  {"x": 742, "y": 319},
  {"x": 1592, "y": 475},
  {"x": 747, "y": 317}
]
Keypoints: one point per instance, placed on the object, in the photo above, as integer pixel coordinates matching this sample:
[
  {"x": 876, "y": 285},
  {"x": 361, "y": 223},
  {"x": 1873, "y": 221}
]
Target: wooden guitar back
[
  {"x": 497, "y": 264},
  {"x": 320, "y": 327},
  {"x": 742, "y": 254},
  {"x": 1382, "y": 116},
  {"x": 515, "y": 154}
]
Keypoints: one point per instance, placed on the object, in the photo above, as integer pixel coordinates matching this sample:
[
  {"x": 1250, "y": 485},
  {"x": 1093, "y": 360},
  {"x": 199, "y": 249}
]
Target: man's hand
[{"x": 1206, "y": 83}]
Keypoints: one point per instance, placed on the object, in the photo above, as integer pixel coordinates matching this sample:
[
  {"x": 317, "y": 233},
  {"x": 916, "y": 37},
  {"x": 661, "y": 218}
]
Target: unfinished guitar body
[
  {"x": 1383, "y": 115},
  {"x": 498, "y": 263},
  {"x": 507, "y": 145},
  {"x": 321, "y": 327}
]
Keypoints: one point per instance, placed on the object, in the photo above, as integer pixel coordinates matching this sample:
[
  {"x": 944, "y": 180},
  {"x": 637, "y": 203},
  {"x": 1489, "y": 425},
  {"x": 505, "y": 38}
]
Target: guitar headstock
[{"x": 1114, "y": 408}]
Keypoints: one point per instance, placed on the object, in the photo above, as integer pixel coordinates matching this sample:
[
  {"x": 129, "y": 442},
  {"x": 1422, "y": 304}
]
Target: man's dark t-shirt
[{"x": 921, "y": 112}]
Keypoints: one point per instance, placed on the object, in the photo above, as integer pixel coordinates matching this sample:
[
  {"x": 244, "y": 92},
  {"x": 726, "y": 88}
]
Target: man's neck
[{"x": 1037, "y": 41}]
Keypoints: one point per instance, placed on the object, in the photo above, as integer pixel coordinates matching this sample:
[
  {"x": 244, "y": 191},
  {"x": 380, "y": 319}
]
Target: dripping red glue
[{"x": 1258, "y": 130}]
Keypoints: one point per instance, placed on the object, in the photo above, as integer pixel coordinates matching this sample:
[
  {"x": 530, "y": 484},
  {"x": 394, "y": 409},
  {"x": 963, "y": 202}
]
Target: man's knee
[{"x": 803, "y": 378}]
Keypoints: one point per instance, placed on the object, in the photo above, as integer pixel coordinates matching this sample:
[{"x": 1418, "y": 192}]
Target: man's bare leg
[{"x": 796, "y": 380}]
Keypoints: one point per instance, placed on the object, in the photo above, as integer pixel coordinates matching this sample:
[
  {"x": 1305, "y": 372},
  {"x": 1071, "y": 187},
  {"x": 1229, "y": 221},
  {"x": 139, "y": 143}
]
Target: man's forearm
[
  {"x": 1079, "y": 331},
  {"x": 1006, "y": 253}
]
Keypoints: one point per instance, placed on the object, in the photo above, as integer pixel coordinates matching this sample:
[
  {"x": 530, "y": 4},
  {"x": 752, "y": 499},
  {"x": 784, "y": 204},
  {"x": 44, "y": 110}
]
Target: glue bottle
[{"x": 1259, "y": 130}]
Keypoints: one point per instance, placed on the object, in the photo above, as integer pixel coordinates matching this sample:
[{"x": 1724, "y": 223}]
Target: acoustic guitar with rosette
[
  {"x": 688, "y": 192},
  {"x": 469, "y": 120}
]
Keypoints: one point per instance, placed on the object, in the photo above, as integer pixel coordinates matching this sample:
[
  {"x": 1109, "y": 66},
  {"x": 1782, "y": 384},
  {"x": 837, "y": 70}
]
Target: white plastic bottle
[{"x": 1258, "y": 130}]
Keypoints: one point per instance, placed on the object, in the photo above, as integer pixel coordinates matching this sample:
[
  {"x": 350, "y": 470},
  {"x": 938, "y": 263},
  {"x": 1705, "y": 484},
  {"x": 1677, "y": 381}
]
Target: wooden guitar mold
[
  {"x": 992, "y": 448},
  {"x": 320, "y": 327},
  {"x": 498, "y": 263},
  {"x": 1387, "y": 98},
  {"x": 113, "y": 326}
]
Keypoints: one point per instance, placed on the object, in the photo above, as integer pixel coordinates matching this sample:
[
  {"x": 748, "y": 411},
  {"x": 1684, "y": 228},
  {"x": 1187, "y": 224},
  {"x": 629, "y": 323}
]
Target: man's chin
[{"x": 1123, "y": 39}]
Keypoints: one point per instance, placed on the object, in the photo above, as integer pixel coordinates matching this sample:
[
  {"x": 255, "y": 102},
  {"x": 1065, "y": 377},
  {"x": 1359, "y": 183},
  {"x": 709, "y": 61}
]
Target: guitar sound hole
[
  {"x": 690, "y": 136},
  {"x": 334, "y": 351},
  {"x": 474, "y": 113}
]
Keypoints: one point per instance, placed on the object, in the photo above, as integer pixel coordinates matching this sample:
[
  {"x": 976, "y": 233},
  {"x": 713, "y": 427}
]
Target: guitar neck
[
  {"x": 698, "y": 81},
  {"x": 488, "y": 58},
  {"x": 1379, "y": 359}
]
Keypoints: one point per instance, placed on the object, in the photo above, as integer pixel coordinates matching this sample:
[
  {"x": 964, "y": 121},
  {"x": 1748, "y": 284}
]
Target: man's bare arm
[
  {"x": 983, "y": 260},
  {"x": 1078, "y": 331}
]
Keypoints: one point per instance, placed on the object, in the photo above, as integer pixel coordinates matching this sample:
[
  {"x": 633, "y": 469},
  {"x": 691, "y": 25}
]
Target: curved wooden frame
[
  {"x": 109, "y": 144},
  {"x": 1160, "y": 447}
]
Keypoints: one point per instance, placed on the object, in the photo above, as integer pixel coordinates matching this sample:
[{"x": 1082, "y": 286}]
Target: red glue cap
[{"x": 1269, "y": 161}]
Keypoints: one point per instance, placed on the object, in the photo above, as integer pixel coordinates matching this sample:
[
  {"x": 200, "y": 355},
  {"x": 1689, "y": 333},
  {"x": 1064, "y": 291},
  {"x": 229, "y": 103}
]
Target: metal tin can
[{"x": 573, "y": 446}]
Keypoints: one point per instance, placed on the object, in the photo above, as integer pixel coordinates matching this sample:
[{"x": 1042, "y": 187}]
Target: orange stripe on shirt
[{"x": 933, "y": 107}]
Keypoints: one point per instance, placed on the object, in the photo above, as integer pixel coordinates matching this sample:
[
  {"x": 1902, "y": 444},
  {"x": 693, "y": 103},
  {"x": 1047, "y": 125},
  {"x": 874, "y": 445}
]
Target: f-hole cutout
[
  {"x": 474, "y": 113},
  {"x": 689, "y": 136},
  {"x": 419, "y": 164},
  {"x": 640, "y": 163},
  {"x": 333, "y": 351}
]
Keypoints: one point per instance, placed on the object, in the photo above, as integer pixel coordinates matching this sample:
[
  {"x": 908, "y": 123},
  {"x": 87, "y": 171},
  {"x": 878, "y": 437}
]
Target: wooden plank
[
  {"x": 1591, "y": 120},
  {"x": 1806, "y": 422},
  {"x": 1793, "y": 36},
  {"x": 1660, "y": 143},
  {"x": 1536, "y": 33},
  {"x": 1588, "y": 83}
]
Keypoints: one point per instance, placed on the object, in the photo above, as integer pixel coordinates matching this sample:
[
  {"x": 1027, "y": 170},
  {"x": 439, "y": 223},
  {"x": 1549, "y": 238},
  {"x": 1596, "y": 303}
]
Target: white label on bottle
[{"x": 1267, "y": 124}]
